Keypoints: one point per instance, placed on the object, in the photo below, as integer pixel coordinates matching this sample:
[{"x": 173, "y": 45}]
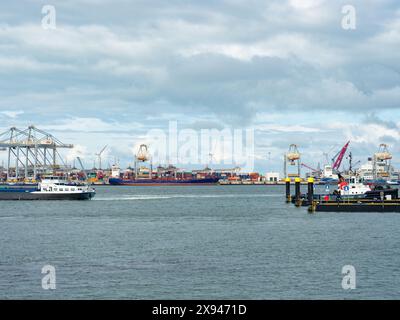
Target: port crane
[
  {"x": 308, "y": 167},
  {"x": 292, "y": 157},
  {"x": 382, "y": 159},
  {"x": 338, "y": 158},
  {"x": 31, "y": 151},
  {"x": 142, "y": 156}
]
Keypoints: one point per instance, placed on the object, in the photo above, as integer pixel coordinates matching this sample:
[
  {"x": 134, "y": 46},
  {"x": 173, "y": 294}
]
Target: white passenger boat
[{"x": 50, "y": 188}]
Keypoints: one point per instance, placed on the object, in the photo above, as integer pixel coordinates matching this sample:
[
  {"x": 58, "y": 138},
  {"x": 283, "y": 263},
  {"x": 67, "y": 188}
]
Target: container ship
[
  {"x": 162, "y": 176},
  {"x": 162, "y": 181}
]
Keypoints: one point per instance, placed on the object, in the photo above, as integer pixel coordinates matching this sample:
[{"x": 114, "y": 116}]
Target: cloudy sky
[{"x": 112, "y": 70}]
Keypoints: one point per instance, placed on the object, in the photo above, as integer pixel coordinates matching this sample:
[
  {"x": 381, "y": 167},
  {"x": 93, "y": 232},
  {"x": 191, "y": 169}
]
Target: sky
[{"x": 110, "y": 71}]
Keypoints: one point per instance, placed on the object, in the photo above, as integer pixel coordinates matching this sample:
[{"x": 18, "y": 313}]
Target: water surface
[{"x": 194, "y": 242}]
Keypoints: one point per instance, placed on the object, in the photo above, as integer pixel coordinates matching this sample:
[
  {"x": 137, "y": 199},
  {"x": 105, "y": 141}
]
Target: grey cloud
[
  {"x": 372, "y": 118},
  {"x": 389, "y": 140}
]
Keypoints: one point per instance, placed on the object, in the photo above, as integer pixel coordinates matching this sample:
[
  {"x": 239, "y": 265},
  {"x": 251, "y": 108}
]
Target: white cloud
[
  {"x": 12, "y": 114},
  {"x": 367, "y": 133},
  {"x": 12, "y": 64},
  {"x": 284, "y": 45},
  {"x": 288, "y": 128},
  {"x": 91, "y": 125},
  {"x": 305, "y": 4},
  {"x": 77, "y": 151}
]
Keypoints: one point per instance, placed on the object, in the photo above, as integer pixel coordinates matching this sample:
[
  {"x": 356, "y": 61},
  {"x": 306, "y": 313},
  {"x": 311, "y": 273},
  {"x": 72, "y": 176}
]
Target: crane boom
[
  {"x": 308, "y": 167},
  {"x": 83, "y": 169},
  {"x": 339, "y": 159},
  {"x": 80, "y": 163}
]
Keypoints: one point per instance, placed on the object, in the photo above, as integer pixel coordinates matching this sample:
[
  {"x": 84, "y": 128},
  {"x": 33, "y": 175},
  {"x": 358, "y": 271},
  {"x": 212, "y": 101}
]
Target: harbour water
[{"x": 194, "y": 242}]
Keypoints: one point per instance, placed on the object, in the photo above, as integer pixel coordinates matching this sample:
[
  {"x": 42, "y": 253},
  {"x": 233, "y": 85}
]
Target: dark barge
[{"x": 356, "y": 206}]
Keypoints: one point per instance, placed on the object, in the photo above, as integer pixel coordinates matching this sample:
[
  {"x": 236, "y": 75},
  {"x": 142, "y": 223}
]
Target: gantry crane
[
  {"x": 30, "y": 151},
  {"x": 293, "y": 158}
]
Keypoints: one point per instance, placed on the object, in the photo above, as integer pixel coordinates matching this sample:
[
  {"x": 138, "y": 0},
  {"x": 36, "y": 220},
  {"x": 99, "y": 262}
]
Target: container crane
[
  {"x": 143, "y": 155},
  {"x": 31, "y": 152},
  {"x": 383, "y": 153},
  {"x": 382, "y": 159},
  {"x": 293, "y": 157}
]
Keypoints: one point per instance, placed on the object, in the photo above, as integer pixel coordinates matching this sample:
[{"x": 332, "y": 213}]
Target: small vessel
[
  {"x": 328, "y": 176},
  {"x": 50, "y": 188},
  {"x": 352, "y": 188},
  {"x": 357, "y": 189}
]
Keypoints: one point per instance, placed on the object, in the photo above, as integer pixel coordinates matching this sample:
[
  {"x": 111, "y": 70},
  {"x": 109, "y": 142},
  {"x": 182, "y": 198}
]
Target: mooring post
[
  {"x": 310, "y": 195},
  {"x": 297, "y": 192},
  {"x": 288, "y": 195},
  {"x": 312, "y": 207},
  {"x": 310, "y": 190}
]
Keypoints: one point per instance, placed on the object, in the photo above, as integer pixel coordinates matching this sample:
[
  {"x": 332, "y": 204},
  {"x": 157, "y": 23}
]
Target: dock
[
  {"x": 356, "y": 206},
  {"x": 318, "y": 203}
]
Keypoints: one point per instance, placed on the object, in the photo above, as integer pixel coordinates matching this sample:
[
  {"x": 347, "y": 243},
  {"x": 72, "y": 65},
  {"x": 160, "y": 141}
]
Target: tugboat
[
  {"x": 50, "y": 188},
  {"x": 355, "y": 189}
]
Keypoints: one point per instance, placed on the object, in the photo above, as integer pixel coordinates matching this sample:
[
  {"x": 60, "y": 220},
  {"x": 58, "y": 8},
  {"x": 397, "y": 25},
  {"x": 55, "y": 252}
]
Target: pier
[{"x": 331, "y": 203}]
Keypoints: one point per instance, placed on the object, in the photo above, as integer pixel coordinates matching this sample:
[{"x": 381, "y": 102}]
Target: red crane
[
  {"x": 308, "y": 167},
  {"x": 340, "y": 156}
]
